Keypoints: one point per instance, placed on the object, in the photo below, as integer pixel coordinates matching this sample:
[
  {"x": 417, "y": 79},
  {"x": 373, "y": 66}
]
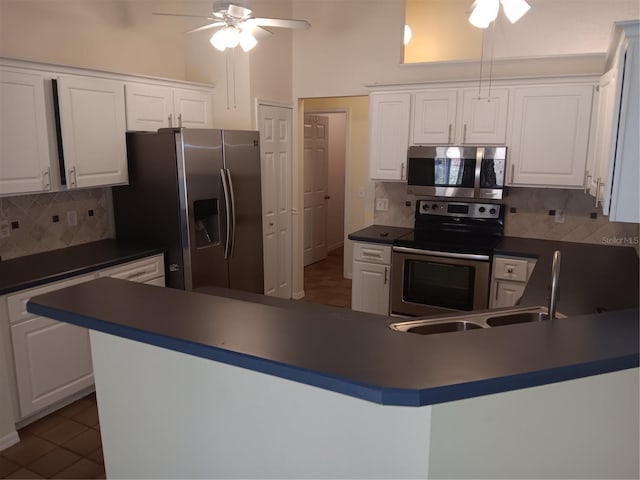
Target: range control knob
[
  {"x": 434, "y": 206},
  {"x": 424, "y": 207},
  {"x": 492, "y": 211},
  {"x": 481, "y": 209}
]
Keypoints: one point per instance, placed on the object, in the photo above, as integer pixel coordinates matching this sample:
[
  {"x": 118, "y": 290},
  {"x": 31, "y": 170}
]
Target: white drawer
[
  {"x": 372, "y": 253},
  {"x": 17, "y": 302},
  {"x": 138, "y": 270},
  {"x": 510, "y": 269}
]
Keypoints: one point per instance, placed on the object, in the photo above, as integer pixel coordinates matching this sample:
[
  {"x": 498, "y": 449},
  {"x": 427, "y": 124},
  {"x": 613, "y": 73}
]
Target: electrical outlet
[
  {"x": 382, "y": 204},
  {"x": 72, "y": 218},
  {"x": 5, "y": 228},
  {"x": 559, "y": 216}
]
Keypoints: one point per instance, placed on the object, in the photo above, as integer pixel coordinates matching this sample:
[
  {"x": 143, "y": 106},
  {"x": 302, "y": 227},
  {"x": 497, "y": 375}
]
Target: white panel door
[
  {"x": 275, "y": 150},
  {"x": 484, "y": 119},
  {"x": 25, "y": 158},
  {"x": 388, "y": 135},
  {"x": 550, "y": 135},
  {"x": 316, "y": 168},
  {"x": 149, "y": 107},
  {"x": 370, "y": 288},
  {"x": 52, "y": 361},
  {"x": 434, "y": 116},
  {"x": 192, "y": 109},
  {"x": 93, "y": 121}
]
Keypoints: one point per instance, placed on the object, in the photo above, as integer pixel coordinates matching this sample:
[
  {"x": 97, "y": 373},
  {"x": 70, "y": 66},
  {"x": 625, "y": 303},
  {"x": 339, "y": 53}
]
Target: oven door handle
[{"x": 463, "y": 256}]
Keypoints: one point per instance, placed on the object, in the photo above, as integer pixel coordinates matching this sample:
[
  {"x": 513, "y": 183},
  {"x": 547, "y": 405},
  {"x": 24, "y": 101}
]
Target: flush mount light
[{"x": 483, "y": 12}]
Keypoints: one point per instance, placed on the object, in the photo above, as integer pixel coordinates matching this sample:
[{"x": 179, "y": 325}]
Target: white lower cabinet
[
  {"x": 371, "y": 278},
  {"x": 52, "y": 360},
  {"x": 508, "y": 280}
]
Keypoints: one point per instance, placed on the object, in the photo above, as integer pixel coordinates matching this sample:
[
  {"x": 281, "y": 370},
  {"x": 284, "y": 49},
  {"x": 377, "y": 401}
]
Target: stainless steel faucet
[{"x": 555, "y": 279}]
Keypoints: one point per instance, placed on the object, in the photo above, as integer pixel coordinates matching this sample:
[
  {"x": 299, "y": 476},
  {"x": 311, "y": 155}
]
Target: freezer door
[
  {"x": 242, "y": 163},
  {"x": 203, "y": 204}
]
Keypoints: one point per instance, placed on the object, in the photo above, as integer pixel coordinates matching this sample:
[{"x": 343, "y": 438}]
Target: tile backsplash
[
  {"x": 43, "y": 222},
  {"x": 527, "y": 215}
]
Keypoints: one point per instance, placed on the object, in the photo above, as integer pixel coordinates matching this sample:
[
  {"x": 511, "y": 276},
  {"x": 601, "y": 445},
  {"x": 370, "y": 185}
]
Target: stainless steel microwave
[{"x": 456, "y": 171}]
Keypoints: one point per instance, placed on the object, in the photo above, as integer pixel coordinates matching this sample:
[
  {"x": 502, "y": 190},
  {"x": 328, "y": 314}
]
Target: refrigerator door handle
[
  {"x": 227, "y": 206},
  {"x": 233, "y": 214}
]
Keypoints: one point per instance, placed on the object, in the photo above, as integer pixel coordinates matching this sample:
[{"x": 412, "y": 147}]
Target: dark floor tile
[
  {"x": 54, "y": 462},
  {"x": 64, "y": 431},
  {"x": 46, "y": 423},
  {"x": 85, "y": 443},
  {"x": 24, "y": 473},
  {"x": 88, "y": 416},
  {"x": 27, "y": 450},
  {"x": 97, "y": 456},
  {"x": 83, "y": 468},
  {"x": 7, "y": 467},
  {"x": 75, "y": 407}
]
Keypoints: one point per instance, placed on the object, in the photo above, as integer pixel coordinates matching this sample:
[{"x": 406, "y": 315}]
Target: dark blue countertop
[
  {"x": 349, "y": 352},
  {"x": 33, "y": 270}
]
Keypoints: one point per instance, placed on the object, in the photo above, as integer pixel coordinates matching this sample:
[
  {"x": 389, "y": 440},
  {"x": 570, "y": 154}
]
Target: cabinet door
[
  {"x": 25, "y": 158},
  {"x": 370, "y": 288},
  {"x": 507, "y": 293},
  {"x": 149, "y": 107},
  {"x": 192, "y": 109},
  {"x": 549, "y": 139},
  {"x": 434, "y": 117},
  {"x": 92, "y": 118},
  {"x": 388, "y": 135},
  {"x": 484, "y": 119},
  {"x": 52, "y": 362}
]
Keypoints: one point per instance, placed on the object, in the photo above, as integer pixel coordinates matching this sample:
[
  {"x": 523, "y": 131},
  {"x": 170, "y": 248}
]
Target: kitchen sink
[{"x": 473, "y": 321}]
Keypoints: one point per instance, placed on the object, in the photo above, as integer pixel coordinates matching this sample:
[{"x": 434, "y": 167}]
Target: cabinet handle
[
  {"x": 464, "y": 133},
  {"x": 46, "y": 179},
  {"x": 587, "y": 178},
  {"x": 513, "y": 172},
  {"x": 385, "y": 275},
  {"x": 371, "y": 254},
  {"x": 137, "y": 274},
  {"x": 450, "y": 132},
  {"x": 72, "y": 177},
  {"x": 402, "y": 171},
  {"x": 180, "y": 120},
  {"x": 171, "y": 120},
  {"x": 598, "y": 185}
]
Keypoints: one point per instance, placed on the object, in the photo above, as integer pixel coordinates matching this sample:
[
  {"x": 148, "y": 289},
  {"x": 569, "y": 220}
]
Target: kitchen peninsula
[{"x": 224, "y": 384}]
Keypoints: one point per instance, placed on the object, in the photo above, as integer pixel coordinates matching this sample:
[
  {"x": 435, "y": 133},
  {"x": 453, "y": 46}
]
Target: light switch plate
[
  {"x": 5, "y": 229},
  {"x": 72, "y": 218},
  {"x": 382, "y": 204},
  {"x": 560, "y": 216}
]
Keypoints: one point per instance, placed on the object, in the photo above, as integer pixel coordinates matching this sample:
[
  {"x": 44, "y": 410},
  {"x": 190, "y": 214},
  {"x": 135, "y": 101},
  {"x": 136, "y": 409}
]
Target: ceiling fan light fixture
[
  {"x": 483, "y": 12},
  {"x": 407, "y": 34},
  {"x": 515, "y": 9},
  {"x": 247, "y": 40},
  {"x": 217, "y": 40}
]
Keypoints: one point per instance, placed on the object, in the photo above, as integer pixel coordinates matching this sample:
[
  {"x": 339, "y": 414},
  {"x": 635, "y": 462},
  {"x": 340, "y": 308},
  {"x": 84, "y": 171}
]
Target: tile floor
[{"x": 66, "y": 444}]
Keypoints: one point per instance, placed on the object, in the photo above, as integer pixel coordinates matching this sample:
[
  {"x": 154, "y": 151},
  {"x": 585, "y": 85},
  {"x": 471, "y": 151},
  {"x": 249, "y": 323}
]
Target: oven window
[{"x": 439, "y": 284}]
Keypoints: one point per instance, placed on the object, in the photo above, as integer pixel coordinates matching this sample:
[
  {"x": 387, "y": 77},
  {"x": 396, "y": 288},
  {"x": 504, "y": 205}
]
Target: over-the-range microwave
[{"x": 456, "y": 171}]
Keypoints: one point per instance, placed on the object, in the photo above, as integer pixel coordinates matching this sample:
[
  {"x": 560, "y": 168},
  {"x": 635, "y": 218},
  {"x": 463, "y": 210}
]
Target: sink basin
[
  {"x": 444, "y": 327},
  {"x": 514, "y": 318}
]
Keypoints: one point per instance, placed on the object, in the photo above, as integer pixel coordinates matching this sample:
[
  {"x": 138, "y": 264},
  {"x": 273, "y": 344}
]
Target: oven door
[{"x": 424, "y": 282}]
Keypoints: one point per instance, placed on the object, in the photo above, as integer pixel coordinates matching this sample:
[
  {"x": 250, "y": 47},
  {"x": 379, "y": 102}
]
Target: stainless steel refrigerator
[{"x": 196, "y": 192}]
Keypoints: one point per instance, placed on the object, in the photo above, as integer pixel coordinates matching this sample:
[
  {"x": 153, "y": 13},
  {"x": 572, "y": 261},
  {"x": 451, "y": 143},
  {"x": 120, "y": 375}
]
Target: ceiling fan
[{"x": 237, "y": 26}]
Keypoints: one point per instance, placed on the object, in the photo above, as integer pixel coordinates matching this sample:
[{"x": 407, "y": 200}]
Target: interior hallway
[{"x": 324, "y": 282}]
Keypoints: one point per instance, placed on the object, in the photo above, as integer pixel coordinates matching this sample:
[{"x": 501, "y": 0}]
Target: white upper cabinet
[
  {"x": 150, "y": 107},
  {"x": 434, "y": 116},
  {"x": 460, "y": 116},
  {"x": 93, "y": 126},
  {"x": 389, "y": 115},
  {"x": 550, "y": 134},
  {"x": 25, "y": 157}
]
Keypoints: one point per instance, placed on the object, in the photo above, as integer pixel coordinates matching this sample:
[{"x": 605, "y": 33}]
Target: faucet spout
[{"x": 555, "y": 279}]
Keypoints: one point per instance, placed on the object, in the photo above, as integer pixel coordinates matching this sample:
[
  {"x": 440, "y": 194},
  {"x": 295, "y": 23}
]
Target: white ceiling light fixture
[
  {"x": 483, "y": 12},
  {"x": 407, "y": 34}
]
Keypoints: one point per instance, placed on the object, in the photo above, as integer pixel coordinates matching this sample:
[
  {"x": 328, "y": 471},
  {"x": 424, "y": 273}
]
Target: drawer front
[
  {"x": 510, "y": 269},
  {"x": 17, "y": 302},
  {"x": 139, "y": 271},
  {"x": 372, "y": 253}
]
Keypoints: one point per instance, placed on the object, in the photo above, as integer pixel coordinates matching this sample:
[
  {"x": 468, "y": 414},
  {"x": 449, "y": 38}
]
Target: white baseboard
[
  {"x": 9, "y": 440},
  {"x": 298, "y": 295}
]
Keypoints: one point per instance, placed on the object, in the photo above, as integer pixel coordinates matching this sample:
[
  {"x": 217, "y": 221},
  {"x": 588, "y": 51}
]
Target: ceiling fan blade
[
  {"x": 281, "y": 23},
  {"x": 185, "y": 15},
  {"x": 206, "y": 27}
]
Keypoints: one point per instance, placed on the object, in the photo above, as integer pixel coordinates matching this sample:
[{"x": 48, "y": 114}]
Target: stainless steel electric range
[{"x": 444, "y": 265}]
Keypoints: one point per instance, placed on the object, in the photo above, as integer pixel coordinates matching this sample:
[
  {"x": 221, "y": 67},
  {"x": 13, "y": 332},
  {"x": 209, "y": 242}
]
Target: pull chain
[
  {"x": 493, "y": 43},
  {"x": 481, "y": 63}
]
